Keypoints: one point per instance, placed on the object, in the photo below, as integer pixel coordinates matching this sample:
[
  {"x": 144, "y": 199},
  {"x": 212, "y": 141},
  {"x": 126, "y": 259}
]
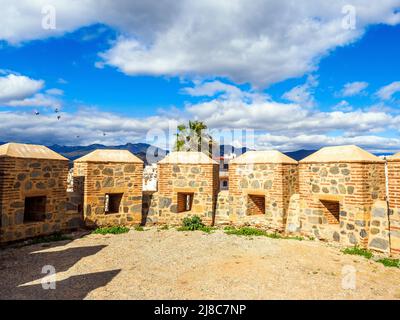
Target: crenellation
[{"x": 337, "y": 194}]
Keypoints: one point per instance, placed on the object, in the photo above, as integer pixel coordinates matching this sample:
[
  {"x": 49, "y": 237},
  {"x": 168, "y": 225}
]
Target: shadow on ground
[{"x": 16, "y": 273}]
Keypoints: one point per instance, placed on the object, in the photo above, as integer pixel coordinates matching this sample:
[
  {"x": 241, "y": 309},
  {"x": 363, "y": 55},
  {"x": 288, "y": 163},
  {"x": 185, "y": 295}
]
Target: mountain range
[{"x": 140, "y": 150}]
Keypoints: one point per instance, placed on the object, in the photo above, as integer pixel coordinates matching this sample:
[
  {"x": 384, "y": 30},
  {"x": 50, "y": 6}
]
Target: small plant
[
  {"x": 227, "y": 228},
  {"x": 139, "y": 228},
  {"x": 207, "y": 229},
  {"x": 51, "y": 238},
  {"x": 164, "y": 227},
  {"x": 111, "y": 230},
  {"x": 387, "y": 262},
  {"x": 358, "y": 252},
  {"x": 274, "y": 235},
  {"x": 298, "y": 238},
  {"x": 246, "y": 231},
  {"x": 194, "y": 223}
]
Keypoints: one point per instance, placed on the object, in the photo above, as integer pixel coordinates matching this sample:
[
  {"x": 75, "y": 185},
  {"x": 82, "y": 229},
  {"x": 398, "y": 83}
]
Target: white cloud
[
  {"x": 354, "y": 88},
  {"x": 309, "y": 142},
  {"x": 211, "y": 88},
  {"x": 343, "y": 106},
  {"x": 260, "y": 42},
  {"x": 55, "y": 92},
  {"x": 21, "y": 91},
  {"x": 38, "y": 100},
  {"x": 15, "y": 87},
  {"x": 387, "y": 92},
  {"x": 84, "y": 127},
  {"x": 283, "y": 126},
  {"x": 303, "y": 94},
  {"x": 62, "y": 81}
]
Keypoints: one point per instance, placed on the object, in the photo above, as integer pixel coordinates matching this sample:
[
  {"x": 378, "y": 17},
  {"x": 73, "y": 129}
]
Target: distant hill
[
  {"x": 226, "y": 149},
  {"x": 140, "y": 149},
  {"x": 300, "y": 154},
  {"x": 75, "y": 152}
]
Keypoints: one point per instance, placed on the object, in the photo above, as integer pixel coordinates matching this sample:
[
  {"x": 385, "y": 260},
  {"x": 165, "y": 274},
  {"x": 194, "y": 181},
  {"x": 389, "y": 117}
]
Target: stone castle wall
[
  {"x": 111, "y": 178},
  {"x": 199, "y": 180},
  {"x": 394, "y": 204},
  {"x": 21, "y": 178},
  {"x": 275, "y": 183},
  {"x": 354, "y": 187},
  {"x": 341, "y": 202}
]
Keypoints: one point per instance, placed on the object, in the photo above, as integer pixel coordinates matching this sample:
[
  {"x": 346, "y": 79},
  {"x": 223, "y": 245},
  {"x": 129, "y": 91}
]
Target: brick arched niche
[
  {"x": 188, "y": 184},
  {"x": 33, "y": 191},
  {"x": 112, "y": 187},
  {"x": 261, "y": 184},
  {"x": 338, "y": 188}
]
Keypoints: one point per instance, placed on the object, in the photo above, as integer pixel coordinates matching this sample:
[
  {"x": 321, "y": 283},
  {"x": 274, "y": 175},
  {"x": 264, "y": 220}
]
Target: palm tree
[
  {"x": 197, "y": 128},
  {"x": 192, "y": 138}
]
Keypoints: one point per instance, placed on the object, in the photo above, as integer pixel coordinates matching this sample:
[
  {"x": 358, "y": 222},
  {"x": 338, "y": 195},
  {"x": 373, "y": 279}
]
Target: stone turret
[
  {"x": 338, "y": 189},
  {"x": 187, "y": 185},
  {"x": 33, "y": 191},
  {"x": 261, "y": 184},
  {"x": 112, "y": 187}
]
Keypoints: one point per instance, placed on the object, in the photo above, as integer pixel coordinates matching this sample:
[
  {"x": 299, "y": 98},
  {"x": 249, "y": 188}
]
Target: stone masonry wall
[
  {"x": 394, "y": 205},
  {"x": 199, "y": 179},
  {"x": 111, "y": 178},
  {"x": 276, "y": 182},
  {"x": 21, "y": 178},
  {"x": 74, "y": 207},
  {"x": 356, "y": 186},
  {"x": 222, "y": 208}
]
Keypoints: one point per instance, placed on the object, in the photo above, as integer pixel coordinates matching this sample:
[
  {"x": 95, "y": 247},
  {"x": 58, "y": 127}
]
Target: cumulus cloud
[
  {"x": 15, "y": 87},
  {"x": 303, "y": 94},
  {"x": 387, "y": 92},
  {"x": 21, "y": 91},
  {"x": 262, "y": 113},
  {"x": 211, "y": 88},
  {"x": 55, "y": 92},
  {"x": 38, "y": 100},
  {"x": 343, "y": 106},
  {"x": 268, "y": 42},
  {"x": 83, "y": 127},
  {"x": 354, "y": 88},
  {"x": 309, "y": 142},
  {"x": 284, "y": 126}
]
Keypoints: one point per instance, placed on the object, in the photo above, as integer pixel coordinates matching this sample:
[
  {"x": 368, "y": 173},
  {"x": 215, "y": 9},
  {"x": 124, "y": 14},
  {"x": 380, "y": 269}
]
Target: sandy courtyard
[{"x": 167, "y": 264}]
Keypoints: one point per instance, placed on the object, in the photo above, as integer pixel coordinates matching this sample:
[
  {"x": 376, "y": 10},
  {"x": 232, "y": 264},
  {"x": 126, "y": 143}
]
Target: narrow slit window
[
  {"x": 112, "y": 203},
  {"x": 332, "y": 211},
  {"x": 185, "y": 202},
  {"x": 255, "y": 205},
  {"x": 35, "y": 209}
]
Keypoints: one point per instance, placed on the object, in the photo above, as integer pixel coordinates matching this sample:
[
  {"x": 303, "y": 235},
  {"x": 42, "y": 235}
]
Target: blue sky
[{"x": 112, "y": 79}]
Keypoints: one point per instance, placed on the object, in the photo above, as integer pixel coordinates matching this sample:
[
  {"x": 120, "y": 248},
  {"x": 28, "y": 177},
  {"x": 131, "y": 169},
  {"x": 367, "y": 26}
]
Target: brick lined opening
[
  {"x": 112, "y": 202},
  {"x": 255, "y": 205},
  {"x": 185, "y": 201},
  {"x": 35, "y": 209},
  {"x": 332, "y": 211}
]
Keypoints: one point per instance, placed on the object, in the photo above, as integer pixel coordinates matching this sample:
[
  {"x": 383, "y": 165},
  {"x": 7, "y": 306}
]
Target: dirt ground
[{"x": 167, "y": 264}]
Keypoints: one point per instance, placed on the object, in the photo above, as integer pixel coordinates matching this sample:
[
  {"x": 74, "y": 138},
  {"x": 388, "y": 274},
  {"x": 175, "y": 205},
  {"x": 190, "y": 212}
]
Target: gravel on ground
[{"x": 167, "y": 264}]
